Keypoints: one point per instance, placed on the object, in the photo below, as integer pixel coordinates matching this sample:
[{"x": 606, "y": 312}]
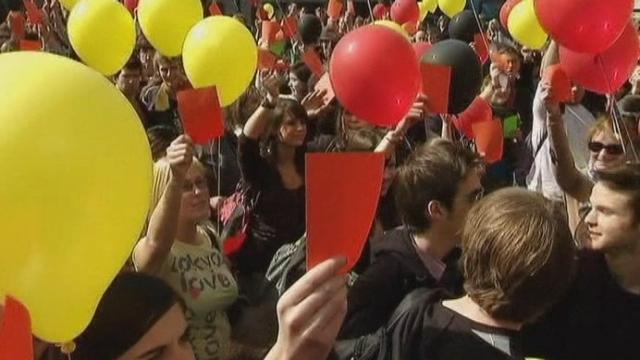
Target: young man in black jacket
[
  {"x": 600, "y": 316},
  {"x": 434, "y": 191}
]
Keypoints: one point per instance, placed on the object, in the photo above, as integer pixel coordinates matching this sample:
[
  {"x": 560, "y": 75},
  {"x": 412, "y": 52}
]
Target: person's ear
[{"x": 436, "y": 210}]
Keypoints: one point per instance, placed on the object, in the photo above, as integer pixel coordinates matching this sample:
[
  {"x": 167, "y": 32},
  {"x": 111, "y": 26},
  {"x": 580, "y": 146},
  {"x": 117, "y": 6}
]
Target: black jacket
[{"x": 395, "y": 271}]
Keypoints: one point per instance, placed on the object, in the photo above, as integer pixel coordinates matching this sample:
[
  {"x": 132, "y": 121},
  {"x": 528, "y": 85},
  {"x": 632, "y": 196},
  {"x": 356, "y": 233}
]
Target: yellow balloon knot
[{"x": 68, "y": 347}]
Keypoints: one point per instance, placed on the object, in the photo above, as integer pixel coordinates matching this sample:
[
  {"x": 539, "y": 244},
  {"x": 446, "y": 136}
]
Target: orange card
[
  {"x": 201, "y": 114},
  {"x": 15, "y": 332},
  {"x": 343, "y": 190},
  {"x": 489, "y": 139},
  {"x": 480, "y": 44},
  {"x": 266, "y": 59},
  {"x": 312, "y": 59},
  {"x": 214, "y": 9},
  {"x": 560, "y": 83},
  {"x": 325, "y": 84},
  {"x": 290, "y": 27},
  {"x": 269, "y": 31},
  {"x": 30, "y": 45},
  {"x": 334, "y": 9},
  {"x": 436, "y": 81},
  {"x": 34, "y": 15},
  {"x": 17, "y": 23}
]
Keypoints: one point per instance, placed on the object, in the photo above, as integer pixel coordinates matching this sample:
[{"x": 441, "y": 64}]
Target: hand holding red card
[
  {"x": 343, "y": 190},
  {"x": 201, "y": 114},
  {"x": 15, "y": 331},
  {"x": 436, "y": 82},
  {"x": 325, "y": 84},
  {"x": 559, "y": 81}
]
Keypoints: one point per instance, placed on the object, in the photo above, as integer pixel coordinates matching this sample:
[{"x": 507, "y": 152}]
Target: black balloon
[
  {"x": 463, "y": 26},
  {"x": 309, "y": 28},
  {"x": 466, "y": 71}
]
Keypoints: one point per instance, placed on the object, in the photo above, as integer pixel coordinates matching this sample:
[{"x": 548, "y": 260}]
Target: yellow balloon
[
  {"x": 166, "y": 23},
  {"x": 220, "y": 51},
  {"x": 74, "y": 191},
  {"x": 268, "y": 8},
  {"x": 427, "y": 6},
  {"x": 524, "y": 26},
  {"x": 393, "y": 26},
  {"x": 102, "y": 33},
  {"x": 68, "y": 4},
  {"x": 451, "y": 7}
]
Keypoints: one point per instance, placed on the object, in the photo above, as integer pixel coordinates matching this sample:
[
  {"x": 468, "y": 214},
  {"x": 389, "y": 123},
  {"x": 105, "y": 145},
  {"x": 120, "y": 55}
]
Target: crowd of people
[{"x": 535, "y": 255}]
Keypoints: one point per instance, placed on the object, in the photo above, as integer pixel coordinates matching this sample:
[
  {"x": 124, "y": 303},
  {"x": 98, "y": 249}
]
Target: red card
[
  {"x": 34, "y": 15},
  {"x": 489, "y": 139},
  {"x": 479, "y": 111},
  {"x": 480, "y": 44},
  {"x": 15, "y": 332},
  {"x": 17, "y": 23},
  {"x": 312, "y": 59},
  {"x": 325, "y": 84},
  {"x": 269, "y": 31},
  {"x": 343, "y": 190},
  {"x": 214, "y": 9},
  {"x": 290, "y": 27},
  {"x": 30, "y": 45},
  {"x": 334, "y": 9},
  {"x": 560, "y": 82},
  {"x": 351, "y": 7},
  {"x": 436, "y": 81},
  {"x": 266, "y": 59},
  {"x": 201, "y": 114}
]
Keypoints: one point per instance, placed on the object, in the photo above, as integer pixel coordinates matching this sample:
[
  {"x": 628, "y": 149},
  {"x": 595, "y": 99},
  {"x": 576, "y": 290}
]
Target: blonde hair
[{"x": 518, "y": 255}]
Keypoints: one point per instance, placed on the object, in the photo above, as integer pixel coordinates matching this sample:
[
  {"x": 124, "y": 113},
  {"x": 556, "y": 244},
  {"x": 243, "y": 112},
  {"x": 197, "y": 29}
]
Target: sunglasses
[{"x": 611, "y": 149}]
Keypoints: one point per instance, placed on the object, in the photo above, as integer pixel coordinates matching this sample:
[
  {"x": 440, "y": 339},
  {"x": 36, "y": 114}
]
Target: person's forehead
[{"x": 604, "y": 195}]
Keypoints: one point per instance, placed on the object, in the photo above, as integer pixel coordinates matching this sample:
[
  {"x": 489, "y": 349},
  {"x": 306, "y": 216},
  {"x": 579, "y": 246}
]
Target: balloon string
[
  {"x": 477, "y": 17},
  {"x": 219, "y": 181},
  {"x": 370, "y": 10}
]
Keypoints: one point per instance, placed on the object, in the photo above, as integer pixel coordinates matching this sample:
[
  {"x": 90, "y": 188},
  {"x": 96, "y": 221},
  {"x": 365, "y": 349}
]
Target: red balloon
[
  {"x": 421, "y": 48},
  {"x": 405, "y": 11},
  {"x": 506, "y": 10},
  {"x": 606, "y": 72},
  {"x": 590, "y": 26},
  {"x": 380, "y": 11},
  {"x": 375, "y": 74}
]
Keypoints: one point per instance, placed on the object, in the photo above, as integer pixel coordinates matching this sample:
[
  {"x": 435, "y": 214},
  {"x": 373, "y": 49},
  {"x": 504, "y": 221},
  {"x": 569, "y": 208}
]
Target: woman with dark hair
[
  {"x": 138, "y": 317},
  {"x": 299, "y": 76},
  {"x": 271, "y": 157}
]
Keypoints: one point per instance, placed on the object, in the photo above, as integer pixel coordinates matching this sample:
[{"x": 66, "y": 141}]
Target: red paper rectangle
[
  {"x": 269, "y": 31},
  {"x": 201, "y": 114},
  {"x": 266, "y": 59},
  {"x": 436, "y": 81},
  {"x": 16, "y": 341},
  {"x": 34, "y": 15},
  {"x": 334, "y": 8},
  {"x": 559, "y": 81},
  {"x": 30, "y": 45},
  {"x": 214, "y": 9},
  {"x": 325, "y": 84},
  {"x": 290, "y": 27},
  {"x": 480, "y": 43},
  {"x": 17, "y": 23},
  {"x": 312, "y": 59},
  {"x": 489, "y": 139},
  {"x": 342, "y": 194}
]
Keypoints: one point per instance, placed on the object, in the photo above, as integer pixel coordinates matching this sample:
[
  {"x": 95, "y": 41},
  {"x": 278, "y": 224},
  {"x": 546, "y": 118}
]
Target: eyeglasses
[
  {"x": 611, "y": 149},
  {"x": 199, "y": 184}
]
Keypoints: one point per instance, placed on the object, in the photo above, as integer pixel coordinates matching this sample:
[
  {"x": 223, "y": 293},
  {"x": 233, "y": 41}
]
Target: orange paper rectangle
[
  {"x": 325, "y": 84},
  {"x": 269, "y": 31},
  {"x": 266, "y": 59},
  {"x": 290, "y": 27},
  {"x": 334, "y": 9},
  {"x": 312, "y": 59},
  {"x": 489, "y": 139},
  {"x": 342, "y": 193},
  {"x": 436, "y": 81},
  {"x": 30, "y": 45},
  {"x": 201, "y": 114}
]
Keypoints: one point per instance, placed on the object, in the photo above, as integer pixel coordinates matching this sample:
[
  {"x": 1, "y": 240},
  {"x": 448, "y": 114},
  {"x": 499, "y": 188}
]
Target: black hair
[{"x": 132, "y": 304}]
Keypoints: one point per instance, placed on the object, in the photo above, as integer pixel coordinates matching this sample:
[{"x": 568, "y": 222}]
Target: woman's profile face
[
  {"x": 293, "y": 132},
  {"x": 166, "y": 340}
]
